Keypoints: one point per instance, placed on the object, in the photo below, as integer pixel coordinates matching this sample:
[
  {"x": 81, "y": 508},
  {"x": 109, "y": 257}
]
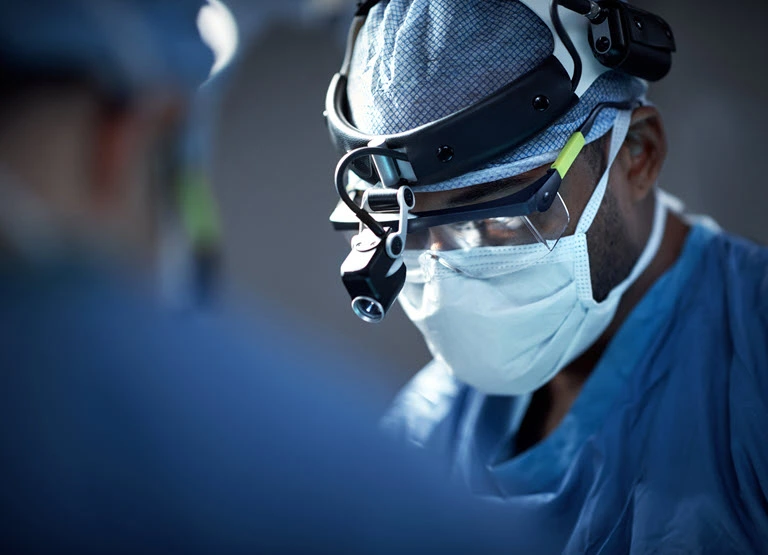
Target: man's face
[{"x": 620, "y": 229}]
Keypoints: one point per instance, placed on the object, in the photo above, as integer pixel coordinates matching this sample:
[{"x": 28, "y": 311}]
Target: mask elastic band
[{"x": 619, "y": 133}]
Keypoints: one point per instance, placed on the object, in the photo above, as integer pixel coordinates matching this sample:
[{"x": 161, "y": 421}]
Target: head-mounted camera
[{"x": 620, "y": 37}]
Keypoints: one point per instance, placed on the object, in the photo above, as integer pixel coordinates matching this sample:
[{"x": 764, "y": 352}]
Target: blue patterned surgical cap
[{"x": 417, "y": 61}]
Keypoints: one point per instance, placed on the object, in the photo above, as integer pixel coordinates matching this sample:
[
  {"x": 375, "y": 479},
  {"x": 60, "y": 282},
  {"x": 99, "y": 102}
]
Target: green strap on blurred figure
[
  {"x": 199, "y": 211},
  {"x": 202, "y": 224}
]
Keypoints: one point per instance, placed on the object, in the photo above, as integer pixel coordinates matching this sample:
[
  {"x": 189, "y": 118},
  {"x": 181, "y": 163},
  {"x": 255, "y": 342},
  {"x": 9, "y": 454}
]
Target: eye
[{"x": 507, "y": 224}]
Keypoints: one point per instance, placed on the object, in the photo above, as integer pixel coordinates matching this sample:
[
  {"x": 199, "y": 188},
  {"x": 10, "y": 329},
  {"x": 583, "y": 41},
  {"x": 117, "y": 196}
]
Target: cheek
[
  {"x": 612, "y": 251},
  {"x": 620, "y": 190},
  {"x": 620, "y": 186},
  {"x": 626, "y": 207},
  {"x": 582, "y": 188},
  {"x": 576, "y": 191}
]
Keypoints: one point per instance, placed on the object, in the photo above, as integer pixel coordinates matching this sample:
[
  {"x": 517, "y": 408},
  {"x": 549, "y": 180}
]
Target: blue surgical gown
[{"x": 666, "y": 448}]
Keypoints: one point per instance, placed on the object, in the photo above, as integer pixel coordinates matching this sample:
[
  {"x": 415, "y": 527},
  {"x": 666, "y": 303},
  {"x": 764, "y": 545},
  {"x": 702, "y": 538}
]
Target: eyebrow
[{"x": 478, "y": 192}]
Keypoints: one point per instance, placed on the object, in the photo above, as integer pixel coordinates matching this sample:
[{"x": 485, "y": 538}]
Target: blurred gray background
[{"x": 273, "y": 164}]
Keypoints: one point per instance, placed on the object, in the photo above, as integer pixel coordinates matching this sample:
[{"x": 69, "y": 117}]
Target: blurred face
[
  {"x": 93, "y": 167},
  {"x": 134, "y": 168},
  {"x": 622, "y": 225}
]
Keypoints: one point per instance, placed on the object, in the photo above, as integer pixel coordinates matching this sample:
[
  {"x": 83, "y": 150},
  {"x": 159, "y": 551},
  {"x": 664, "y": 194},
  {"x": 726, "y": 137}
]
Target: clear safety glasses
[
  {"x": 545, "y": 228},
  {"x": 529, "y": 214},
  {"x": 445, "y": 243}
]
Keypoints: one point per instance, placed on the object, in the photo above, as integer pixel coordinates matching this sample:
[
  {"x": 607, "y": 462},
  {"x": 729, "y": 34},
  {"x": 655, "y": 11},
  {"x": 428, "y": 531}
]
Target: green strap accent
[
  {"x": 569, "y": 153},
  {"x": 199, "y": 211}
]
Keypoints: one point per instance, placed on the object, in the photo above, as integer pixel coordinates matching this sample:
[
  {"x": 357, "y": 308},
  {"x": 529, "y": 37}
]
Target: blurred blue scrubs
[
  {"x": 666, "y": 448},
  {"x": 128, "y": 429}
]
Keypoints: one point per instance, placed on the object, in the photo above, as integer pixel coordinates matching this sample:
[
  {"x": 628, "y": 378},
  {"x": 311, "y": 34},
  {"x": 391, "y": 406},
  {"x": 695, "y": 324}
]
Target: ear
[{"x": 644, "y": 151}]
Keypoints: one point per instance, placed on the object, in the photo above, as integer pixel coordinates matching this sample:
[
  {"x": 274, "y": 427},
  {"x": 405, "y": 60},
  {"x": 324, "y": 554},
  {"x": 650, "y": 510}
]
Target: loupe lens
[{"x": 368, "y": 309}]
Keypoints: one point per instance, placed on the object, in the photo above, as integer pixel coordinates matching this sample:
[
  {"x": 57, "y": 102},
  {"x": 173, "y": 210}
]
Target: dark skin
[{"x": 615, "y": 241}]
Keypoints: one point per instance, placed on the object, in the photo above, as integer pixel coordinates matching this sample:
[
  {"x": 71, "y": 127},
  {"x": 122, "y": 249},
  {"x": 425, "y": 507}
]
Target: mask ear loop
[{"x": 619, "y": 133}]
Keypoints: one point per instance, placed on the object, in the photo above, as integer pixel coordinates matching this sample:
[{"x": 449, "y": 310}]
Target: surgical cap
[
  {"x": 417, "y": 61},
  {"x": 124, "y": 45}
]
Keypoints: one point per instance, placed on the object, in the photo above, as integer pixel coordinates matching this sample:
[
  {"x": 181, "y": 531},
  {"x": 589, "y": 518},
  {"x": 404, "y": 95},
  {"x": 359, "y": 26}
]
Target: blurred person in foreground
[
  {"x": 126, "y": 428},
  {"x": 600, "y": 356}
]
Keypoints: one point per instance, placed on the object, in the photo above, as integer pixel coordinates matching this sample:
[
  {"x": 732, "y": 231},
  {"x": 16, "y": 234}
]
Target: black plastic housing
[
  {"x": 364, "y": 273},
  {"x": 462, "y": 141},
  {"x": 632, "y": 40}
]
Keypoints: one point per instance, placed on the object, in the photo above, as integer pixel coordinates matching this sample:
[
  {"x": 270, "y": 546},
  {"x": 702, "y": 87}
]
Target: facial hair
[{"x": 612, "y": 252}]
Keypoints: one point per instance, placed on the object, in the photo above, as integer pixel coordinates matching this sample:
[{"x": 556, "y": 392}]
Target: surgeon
[
  {"x": 601, "y": 358},
  {"x": 129, "y": 428}
]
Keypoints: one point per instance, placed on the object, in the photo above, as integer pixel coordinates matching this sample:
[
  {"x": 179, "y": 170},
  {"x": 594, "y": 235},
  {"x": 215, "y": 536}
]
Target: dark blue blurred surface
[{"x": 129, "y": 429}]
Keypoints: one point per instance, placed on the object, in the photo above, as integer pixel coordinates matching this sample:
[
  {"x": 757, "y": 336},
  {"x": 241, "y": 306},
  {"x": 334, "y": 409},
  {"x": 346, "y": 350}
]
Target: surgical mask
[{"x": 511, "y": 319}]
